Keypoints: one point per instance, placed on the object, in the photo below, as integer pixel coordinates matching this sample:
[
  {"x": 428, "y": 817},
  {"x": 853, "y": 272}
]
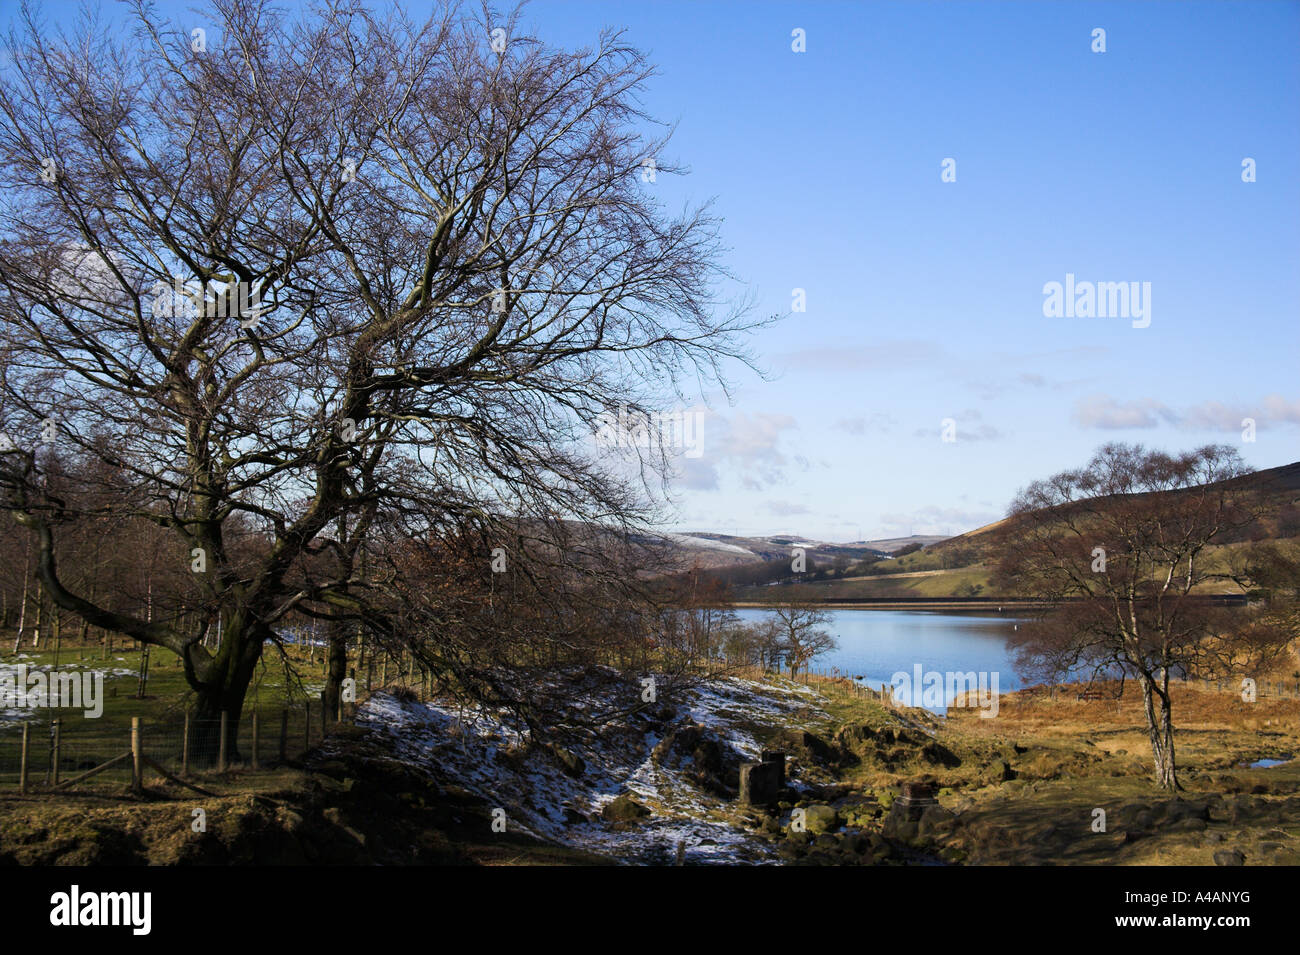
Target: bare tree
[
  {"x": 332, "y": 274},
  {"x": 1123, "y": 550},
  {"x": 802, "y": 634}
]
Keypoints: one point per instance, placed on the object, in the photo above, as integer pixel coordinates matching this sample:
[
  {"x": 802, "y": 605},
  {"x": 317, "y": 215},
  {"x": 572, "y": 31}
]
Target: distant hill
[
  {"x": 960, "y": 566},
  {"x": 891, "y": 545},
  {"x": 1282, "y": 483},
  {"x": 709, "y": 550}
]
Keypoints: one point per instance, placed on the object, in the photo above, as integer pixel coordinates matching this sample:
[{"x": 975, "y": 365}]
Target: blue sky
[{"x": 925, "y": 298}]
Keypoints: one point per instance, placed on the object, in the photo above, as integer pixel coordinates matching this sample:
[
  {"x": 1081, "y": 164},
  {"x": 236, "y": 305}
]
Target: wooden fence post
[
  {"x": 22, "y": 765},
  {"x": 255, "y": 766},
  {"x": 284, "y": 735},
  {"x": 221, "y": 754},
  {"x": 137, "y": 781},
  {"x": 185, "y": 745}
]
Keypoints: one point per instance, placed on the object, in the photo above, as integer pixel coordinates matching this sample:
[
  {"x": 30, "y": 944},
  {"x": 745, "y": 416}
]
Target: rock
[
  {"x": 624, "y": 809},
  {"x": 936, "y": 754},
  {"x": 573, "y": 817},
  {"x": 918, "y": 793},
  {"x": 856, "y": 843},
  {"x": 710, "y": 765},
  {"x": 1180, "y": 810},
  {"x": 899, "y": 824},
  {"x": 335, "y": 817},
  {"x": 790, "y": 851},
  {"x": 777, "y": 758},
  {"x": 571, "y": 762},
  {"x": 289, "y": 820},
  {"x": 760, "y": 783},
  {"x": 1229, "y": 857},
  {"x": 808, "y": 747},
  {"x": 933, "y": 820},
  {"x": 857, "y": 816},
  {"x": 819, "y": 819}
]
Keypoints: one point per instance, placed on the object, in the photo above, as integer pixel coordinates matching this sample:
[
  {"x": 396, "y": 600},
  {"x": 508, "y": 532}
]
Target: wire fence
[{"x": 62, "y": 752}]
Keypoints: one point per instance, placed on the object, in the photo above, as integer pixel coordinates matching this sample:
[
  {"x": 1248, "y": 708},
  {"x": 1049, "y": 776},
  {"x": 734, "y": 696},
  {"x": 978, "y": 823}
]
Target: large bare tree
[
  {"x": 275, "y": 284},
  {"x": 1123, "y": 549}
]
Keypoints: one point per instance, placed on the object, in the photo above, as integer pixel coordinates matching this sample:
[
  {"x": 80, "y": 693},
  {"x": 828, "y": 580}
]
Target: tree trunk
[
  {"x": 40, "y": 605},
  {"x": 221, "y": 688},
  {"x": 1155, "y": 704},
  {"x": 22, "y": 608},
  {"x": 336, "y": 670}
]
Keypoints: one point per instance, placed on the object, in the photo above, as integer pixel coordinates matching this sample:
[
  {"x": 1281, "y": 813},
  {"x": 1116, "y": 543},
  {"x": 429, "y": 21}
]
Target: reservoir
[{"x": 876, "y": 644}]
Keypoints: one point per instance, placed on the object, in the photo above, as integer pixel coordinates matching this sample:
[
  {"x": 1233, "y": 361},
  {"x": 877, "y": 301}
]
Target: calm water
[{"x": 876, "y": 644}]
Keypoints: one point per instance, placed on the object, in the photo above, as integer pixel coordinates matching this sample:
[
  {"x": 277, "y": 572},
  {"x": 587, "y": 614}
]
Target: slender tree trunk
[
  {"x": 22, "y": 607},
  {"x": 1155, "y": 704},
  {"x": 40, "y": 605},
  {"x": 144, "y": 648}
]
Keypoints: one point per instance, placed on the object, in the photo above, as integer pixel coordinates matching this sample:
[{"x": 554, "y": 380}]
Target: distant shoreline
[
  {"x": 900, "y": 603},
  {"x": 946, "y": 603}
]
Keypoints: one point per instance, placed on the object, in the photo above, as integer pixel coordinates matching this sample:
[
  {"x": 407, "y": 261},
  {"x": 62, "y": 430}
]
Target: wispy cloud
[
  {"x": 1106, "y": 413},
  {"x": 970, "y": 427},
  {"x": 748, "y": 445},
  {"x": 936, "y": 520},
  {"x": 877, "y": 421},
  {"x": 885, "y": 356},
  {"x": 786, "y": 509}
]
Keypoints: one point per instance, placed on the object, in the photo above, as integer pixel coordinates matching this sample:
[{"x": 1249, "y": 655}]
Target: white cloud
[
  {"x": 1105, "y": 413},
  {"x": 935, "y": 520}
]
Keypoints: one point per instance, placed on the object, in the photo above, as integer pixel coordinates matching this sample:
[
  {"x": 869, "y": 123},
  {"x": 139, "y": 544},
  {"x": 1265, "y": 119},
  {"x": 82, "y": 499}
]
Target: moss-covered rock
[
  {"x": 819, "y": 819},
  {"x": 624, "y": 809}
]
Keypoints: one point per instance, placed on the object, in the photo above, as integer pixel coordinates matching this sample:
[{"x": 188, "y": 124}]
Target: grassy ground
[
  {"x": 1030, "y": 786},
  {"x": 1025, "y": 787},
  {"x": 87, "y": 742},
  {"x": 333, "y": 803}
]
